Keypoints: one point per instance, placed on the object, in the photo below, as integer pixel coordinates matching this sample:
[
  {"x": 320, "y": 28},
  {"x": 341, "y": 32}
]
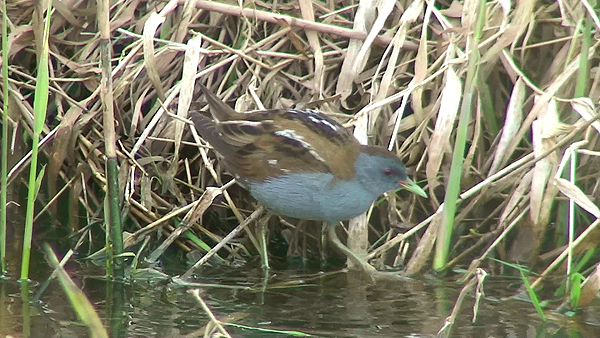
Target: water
[{"x": 335, "y": 304}]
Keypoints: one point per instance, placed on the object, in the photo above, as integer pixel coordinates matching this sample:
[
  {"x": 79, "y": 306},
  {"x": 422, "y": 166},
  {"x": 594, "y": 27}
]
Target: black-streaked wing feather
[
  {"x": 218, "y": 109},
  {"x": 264, "y": 144},
  {"x": 207, "y": 128}
]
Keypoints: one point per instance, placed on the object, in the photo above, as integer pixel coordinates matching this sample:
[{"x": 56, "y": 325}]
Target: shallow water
[{"x": 335, "y": 304}]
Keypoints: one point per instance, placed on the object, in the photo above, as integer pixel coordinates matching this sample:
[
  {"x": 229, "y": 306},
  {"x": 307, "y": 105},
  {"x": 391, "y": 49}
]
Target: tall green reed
[
  {"x": 4, "y": 159},
  {"x": 40, "y": 105},
  {"x": 453, "y": 190}
]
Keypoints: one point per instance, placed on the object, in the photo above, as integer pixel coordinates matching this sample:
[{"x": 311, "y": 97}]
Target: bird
[{"x": 302, "y": 163}]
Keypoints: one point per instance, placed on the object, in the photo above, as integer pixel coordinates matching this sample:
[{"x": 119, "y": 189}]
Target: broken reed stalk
[{"x": 113, "y": 212}]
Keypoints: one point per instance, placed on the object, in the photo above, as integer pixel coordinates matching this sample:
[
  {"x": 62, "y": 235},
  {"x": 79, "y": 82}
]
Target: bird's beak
[{"x": 413, "y": 187}]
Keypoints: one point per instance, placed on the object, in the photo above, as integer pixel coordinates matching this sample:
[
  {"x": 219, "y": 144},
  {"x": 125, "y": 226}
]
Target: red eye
[{"x": 388, "y": 172}]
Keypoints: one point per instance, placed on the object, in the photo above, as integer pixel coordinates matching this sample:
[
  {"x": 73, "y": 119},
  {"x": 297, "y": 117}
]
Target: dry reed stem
[{"x": 527, "y": 76}]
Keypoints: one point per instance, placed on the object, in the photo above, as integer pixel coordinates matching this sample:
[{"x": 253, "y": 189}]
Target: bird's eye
[{"x": 388, "y": 172}]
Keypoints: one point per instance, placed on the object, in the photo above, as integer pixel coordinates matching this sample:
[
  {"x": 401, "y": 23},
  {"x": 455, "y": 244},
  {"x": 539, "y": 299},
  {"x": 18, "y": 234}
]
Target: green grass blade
[
  {"x": 451, "y": 199},
  {"x": 4, "y": 159},
  {"x": 533, "y": 296},
  {"x": 79, "y": 302},
  {"x": 40, "y": 105}
]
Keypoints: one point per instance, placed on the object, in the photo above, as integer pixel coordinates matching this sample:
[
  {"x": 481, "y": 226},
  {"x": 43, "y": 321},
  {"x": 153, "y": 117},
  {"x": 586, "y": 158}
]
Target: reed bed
[{"x": 492, "y": 107}]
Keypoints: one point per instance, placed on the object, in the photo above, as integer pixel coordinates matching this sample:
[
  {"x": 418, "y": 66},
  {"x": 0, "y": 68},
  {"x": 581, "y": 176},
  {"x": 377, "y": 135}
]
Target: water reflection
[{"x": 320, "y": 304}]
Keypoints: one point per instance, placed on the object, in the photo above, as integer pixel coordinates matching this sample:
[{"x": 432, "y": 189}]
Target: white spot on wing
[
  {"x": 326, "y": 123},
  {"x": 288, "y": 133},
  {"x": 317, "y": 156}
]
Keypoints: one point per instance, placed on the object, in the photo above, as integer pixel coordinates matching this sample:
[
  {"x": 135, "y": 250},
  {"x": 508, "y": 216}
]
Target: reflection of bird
[{"x": 301, "y": 163}]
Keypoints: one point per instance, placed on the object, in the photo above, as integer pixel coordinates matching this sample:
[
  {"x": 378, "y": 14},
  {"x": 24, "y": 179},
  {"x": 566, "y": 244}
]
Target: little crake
[{"x": 301, "y": 163}]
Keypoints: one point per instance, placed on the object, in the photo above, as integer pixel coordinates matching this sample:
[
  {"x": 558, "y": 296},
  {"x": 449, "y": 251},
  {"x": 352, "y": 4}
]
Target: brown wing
[
  {"x": 264, "y": 144},
  {"x": 286, "y": 141},
  {"x": 207, "y": 128}
]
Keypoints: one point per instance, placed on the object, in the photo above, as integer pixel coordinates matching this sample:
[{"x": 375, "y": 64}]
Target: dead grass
[{"x": 537, "y": 88}]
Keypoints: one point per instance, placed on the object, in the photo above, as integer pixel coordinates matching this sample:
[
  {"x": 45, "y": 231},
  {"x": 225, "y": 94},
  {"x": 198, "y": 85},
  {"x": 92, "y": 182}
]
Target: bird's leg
[
  {"x": 323, "y": 243},
  {"x": 262, "y": 230},
  {"x": 366, "y": 267}
]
